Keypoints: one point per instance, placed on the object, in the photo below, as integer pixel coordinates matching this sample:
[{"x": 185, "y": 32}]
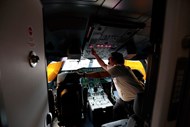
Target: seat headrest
[
  {"x": 61, "y": 77},
  {"x": 68, "y": 77}
]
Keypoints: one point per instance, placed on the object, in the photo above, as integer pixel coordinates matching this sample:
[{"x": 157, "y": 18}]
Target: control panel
[
  {"x": 99, "y": 101},
  {"x": 97, "y": 98}
]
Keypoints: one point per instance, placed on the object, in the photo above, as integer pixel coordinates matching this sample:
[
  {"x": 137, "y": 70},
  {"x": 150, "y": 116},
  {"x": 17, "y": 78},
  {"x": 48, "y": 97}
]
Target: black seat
[
  {"x": 135, "y": 120},
  {"x": 69, "y": 101},
  {"x": 139, "y": 75}
]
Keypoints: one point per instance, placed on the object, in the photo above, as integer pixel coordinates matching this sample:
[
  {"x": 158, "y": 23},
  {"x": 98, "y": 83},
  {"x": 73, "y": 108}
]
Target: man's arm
[
  {"x": 101, "y": 74},
  {"x": 100, "y": 61}
]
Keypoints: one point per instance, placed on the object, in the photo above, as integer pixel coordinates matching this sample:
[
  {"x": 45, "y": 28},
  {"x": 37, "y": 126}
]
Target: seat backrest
[
  {"x": 136, "y": 120},
  {"x": 69, "y": 100},
  {"x": 138, "y": 104}
]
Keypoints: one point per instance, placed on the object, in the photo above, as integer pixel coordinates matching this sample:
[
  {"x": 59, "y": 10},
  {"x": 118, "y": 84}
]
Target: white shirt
[{"x": 125, "y": 82}]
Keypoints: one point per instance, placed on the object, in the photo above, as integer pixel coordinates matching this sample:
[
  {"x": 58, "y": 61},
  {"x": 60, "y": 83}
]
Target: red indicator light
[
  {"x": 98, "y": 46},
  {"x": 90, "y": 46},
  {"x": 109, "y": 46},
  {"x": 106, "y": 46}
]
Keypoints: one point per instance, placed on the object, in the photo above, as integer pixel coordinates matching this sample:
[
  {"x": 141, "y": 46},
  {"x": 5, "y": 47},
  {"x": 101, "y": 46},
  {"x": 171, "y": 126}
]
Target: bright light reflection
[
  {"x": 84, "y": 63},
  {"x": 96, "y": 64},
  {"x": 73, "y": 64},
  {"x": 70, "y": 64}
]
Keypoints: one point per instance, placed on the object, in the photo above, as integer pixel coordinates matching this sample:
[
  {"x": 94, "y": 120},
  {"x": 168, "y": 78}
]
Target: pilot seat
[
  {"x": 69, "y": 102},
  {"x": 135, "y": 120}
]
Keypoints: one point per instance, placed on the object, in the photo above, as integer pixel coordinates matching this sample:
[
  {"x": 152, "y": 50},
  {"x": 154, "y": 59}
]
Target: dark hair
[{"x": 118, "y": 57}]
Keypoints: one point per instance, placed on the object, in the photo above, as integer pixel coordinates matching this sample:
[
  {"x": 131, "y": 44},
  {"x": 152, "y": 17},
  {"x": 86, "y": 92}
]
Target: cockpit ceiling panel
[
  {"x": 125, "y": 9},
  {"x": 117, "y": 25},
  {"x": 106, "y": 39}
]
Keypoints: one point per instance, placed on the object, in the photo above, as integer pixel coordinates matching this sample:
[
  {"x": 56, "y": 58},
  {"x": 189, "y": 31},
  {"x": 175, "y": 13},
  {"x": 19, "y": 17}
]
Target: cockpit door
[{"x": 23, "y": 85}]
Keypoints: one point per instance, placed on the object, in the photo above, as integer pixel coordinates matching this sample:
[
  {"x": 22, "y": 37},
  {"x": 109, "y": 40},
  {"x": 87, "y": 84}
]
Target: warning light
[
  {"x": 91, "y": 46},
  {"x": 103, "y": 46},
  {"x": 98, "y": 46}
]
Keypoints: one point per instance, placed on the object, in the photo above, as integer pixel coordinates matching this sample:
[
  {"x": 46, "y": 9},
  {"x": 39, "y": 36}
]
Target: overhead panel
[{"x": 106, "y": 39}]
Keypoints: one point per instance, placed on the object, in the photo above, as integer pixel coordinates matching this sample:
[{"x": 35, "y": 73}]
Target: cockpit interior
[{"x": 72, "y": 28}]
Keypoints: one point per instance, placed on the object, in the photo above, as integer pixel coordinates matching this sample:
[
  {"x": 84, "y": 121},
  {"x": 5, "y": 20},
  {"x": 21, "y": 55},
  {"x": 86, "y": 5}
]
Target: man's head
[{"x": 115, "y": 58}]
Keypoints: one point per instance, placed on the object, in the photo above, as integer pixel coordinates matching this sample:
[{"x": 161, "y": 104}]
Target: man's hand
[
  {"x": 93, "y": 52},
  {"x": 100, "y": 61},
  {"x": 82, "y": 74}
]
